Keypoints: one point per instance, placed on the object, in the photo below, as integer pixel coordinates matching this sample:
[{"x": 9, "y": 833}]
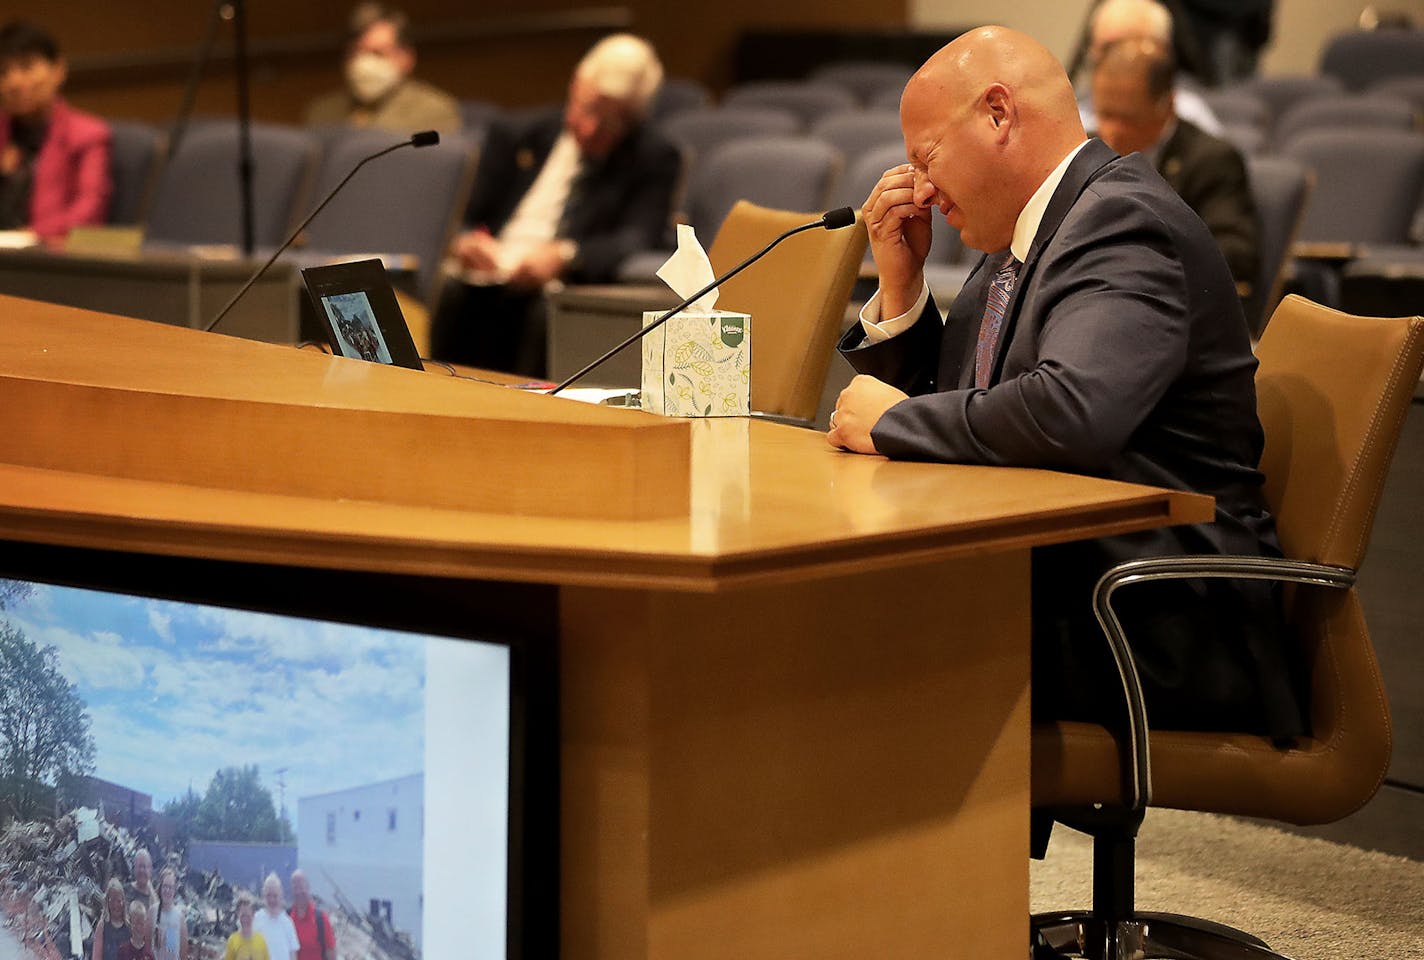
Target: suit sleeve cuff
[{"x": 878, "y": 330}]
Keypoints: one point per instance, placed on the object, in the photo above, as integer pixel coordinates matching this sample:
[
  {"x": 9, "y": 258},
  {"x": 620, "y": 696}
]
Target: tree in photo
[
  {"x": 235, "y": 807},
  {"x": 44, "y": 726},
  {"x": 13, "y": 591},
  {"x": 182, "y": 814}
]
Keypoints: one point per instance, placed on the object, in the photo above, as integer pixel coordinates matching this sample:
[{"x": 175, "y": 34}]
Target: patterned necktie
[{"x": 995, "y": 307}]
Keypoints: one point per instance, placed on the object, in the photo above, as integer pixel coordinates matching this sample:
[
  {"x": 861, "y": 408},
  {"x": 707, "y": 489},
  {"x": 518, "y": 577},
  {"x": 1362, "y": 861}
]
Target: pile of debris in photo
[{"x": 53, "y": 874}]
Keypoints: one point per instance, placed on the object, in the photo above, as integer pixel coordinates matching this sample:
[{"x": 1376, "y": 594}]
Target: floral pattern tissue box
[{"x": 698, "y": 365}]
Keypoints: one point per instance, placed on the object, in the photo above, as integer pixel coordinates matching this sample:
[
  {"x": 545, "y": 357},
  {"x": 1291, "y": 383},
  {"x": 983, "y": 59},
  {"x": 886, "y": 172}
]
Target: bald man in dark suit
[{"x": 1103, "y": 336}]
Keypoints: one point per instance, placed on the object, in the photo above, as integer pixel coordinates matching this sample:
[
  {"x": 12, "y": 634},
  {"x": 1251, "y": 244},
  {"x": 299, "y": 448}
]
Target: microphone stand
[
  {"x": 244, "y": 123},
  {"x": 235, "y": 10},
  {"x": 190, "y": 93}
]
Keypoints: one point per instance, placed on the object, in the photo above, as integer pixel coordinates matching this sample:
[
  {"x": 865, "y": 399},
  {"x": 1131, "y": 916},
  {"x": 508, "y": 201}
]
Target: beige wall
[{"x": 1301, "y": 26}]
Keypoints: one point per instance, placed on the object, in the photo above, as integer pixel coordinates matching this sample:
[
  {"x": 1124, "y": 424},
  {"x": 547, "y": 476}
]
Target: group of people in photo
[
  {"x": 358, "y": 329},
  {"x": 142, "y": 920}
]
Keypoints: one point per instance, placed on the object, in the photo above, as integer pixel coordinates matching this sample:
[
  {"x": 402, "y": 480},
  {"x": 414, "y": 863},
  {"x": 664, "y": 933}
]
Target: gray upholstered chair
[
  {"x": 477, "y": 115},
  {"x": 1280, "y": 93},
  {"x": 865, "y": 79},
  {"x": 888, "y": 99},
  {"x": 1368, "y": 185},
  {"x": 135, "y": 152},
  {"x": 1281, "y": 188},
  {"x": 793, "y": 173},
  {"x": 855, "y": 132},
  {"x": 1344, "y": 111},
  {"x": 1238, "y": 105},
  {"x": 702, "y": 130},
  {"x": 407, "y": 202},
  {"x": 1410, "y": 87},
  {"x": 807, "y": 99},
  {"x": 1245, "y": 137},
  {"x": 197, "y": 201},
  {"x": 1333, "y": 391},
  {"x": 1363, "y": 57},
  {"x": 676, "y": 95}
]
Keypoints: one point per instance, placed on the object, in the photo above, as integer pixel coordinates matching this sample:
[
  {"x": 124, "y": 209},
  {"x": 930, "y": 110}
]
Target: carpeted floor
[{"x": 1309, "y": 899}]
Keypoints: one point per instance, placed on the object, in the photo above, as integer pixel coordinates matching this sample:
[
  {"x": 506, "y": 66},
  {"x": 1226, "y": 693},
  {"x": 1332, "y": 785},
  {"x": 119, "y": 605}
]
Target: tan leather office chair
[
  {"x": 1333, "y": 391},
  {"x": 797, "y": 297}
]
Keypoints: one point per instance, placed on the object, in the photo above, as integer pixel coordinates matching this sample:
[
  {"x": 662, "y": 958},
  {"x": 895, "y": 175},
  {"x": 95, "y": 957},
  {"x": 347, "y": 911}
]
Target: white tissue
[{"x": 688, "y": 270}]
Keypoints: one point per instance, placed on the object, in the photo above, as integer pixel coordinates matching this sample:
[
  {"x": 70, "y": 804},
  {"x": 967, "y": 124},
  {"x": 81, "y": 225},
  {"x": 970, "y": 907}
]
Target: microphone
[
  {"x": 831, "y": 220},
  {"x": 426, "y": 138}
]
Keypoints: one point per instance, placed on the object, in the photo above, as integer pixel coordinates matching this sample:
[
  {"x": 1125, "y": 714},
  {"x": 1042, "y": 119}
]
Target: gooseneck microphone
[
  {"x": 831, "y": 220},
  {"x": 426, "y": 138}
]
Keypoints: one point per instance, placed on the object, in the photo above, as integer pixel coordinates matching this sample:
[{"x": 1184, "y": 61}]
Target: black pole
[
  {"x": 195, "y": 79},
  {"x": 244, "y": 123}
]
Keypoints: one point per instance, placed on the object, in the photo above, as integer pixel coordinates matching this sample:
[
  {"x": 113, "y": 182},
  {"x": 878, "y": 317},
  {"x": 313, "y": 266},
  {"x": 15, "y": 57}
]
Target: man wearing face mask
[
  {"x": 564, "y": 197},
  {"x": 380, "y": 91}
]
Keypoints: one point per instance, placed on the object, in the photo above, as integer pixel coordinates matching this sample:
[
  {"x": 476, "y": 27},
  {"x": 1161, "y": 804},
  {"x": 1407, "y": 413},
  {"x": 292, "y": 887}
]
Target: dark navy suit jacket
[
  {"x": 1124, "y": 354},
  {"x": 620, "y": 204},
  {"x": 1209, "y": 174}
]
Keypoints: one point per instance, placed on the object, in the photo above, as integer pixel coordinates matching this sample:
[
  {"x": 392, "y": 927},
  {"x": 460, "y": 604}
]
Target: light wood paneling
[
  {"x": 228, "y": 413},
  {"x": 805, "y": 771}
]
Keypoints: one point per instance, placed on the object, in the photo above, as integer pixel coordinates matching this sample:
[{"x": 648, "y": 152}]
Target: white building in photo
[{"x": 367, "y": 842}]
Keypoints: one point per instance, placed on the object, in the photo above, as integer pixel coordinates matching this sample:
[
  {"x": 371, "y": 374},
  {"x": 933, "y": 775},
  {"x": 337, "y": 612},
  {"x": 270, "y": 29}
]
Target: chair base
[{"x": 1146, "y": 936}]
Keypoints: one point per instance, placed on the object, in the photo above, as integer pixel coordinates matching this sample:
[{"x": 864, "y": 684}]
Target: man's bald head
[
  {"x": 1115, "y": 20},
  {"x": 968, "y": 65},
  {"x": 986, "y": 119}
]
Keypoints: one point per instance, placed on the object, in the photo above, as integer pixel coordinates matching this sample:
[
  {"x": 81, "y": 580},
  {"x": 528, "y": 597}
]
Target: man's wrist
[{"x": 897, "y": 299}]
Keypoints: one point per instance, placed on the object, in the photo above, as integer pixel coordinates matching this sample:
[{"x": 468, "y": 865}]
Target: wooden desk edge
[{"x": 681, "y": 570}]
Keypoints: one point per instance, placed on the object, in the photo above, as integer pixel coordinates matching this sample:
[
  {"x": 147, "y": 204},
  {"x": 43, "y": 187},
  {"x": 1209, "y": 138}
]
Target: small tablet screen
[
  {"x": 358, "y": 308},
  {"x": 354, "y": 324}
]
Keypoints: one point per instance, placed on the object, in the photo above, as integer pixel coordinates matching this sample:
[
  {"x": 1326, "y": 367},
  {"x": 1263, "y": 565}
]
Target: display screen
[
  {"x": 354, "y": 324},
  {"x": 375, "y": 761}
]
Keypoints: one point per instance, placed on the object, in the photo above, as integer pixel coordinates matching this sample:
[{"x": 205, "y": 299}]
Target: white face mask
[{"x": 371, "y": 76}]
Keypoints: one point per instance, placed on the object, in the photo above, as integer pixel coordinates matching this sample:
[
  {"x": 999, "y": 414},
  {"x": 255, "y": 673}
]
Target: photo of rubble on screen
[
  {"x": 161, "y": 761},
  {"x": 53, "y": 874}
]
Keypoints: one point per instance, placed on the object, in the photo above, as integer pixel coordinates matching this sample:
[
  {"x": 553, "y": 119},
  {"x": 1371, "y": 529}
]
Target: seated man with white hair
[
  {"x": 1115, "y": 20},
  {"x": 564, "y": 198}
]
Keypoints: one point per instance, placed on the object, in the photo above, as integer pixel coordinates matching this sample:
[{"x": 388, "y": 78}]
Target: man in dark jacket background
[
  {"x": 1133, "y": 81},
  {"x": 563, "y": 197}
]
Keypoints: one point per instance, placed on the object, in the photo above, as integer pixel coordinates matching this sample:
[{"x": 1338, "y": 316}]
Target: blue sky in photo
[{"x": 177, "y": 691}]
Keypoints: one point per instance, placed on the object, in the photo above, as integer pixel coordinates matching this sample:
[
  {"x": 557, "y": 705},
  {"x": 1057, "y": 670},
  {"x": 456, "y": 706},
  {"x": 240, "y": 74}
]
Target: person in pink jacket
[{"x": 54, "y": 159}]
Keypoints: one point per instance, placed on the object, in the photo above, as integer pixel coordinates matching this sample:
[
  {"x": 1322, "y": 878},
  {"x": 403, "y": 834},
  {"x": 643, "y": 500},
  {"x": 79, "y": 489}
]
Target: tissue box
[{"x": 698, "y": 365}]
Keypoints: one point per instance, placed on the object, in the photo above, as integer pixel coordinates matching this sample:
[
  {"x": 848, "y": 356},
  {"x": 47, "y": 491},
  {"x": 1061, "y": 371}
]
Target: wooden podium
[{"x": 793, "y": 682}]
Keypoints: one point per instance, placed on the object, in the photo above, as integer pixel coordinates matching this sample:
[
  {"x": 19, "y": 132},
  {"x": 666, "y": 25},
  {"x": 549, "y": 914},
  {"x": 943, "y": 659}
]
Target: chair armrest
[{"x": 1136, "y": 756}]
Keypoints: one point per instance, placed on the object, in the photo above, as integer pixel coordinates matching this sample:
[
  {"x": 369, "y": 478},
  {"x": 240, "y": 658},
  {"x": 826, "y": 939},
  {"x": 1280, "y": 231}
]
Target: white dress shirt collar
[{"x": 1026, "y": 228}]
